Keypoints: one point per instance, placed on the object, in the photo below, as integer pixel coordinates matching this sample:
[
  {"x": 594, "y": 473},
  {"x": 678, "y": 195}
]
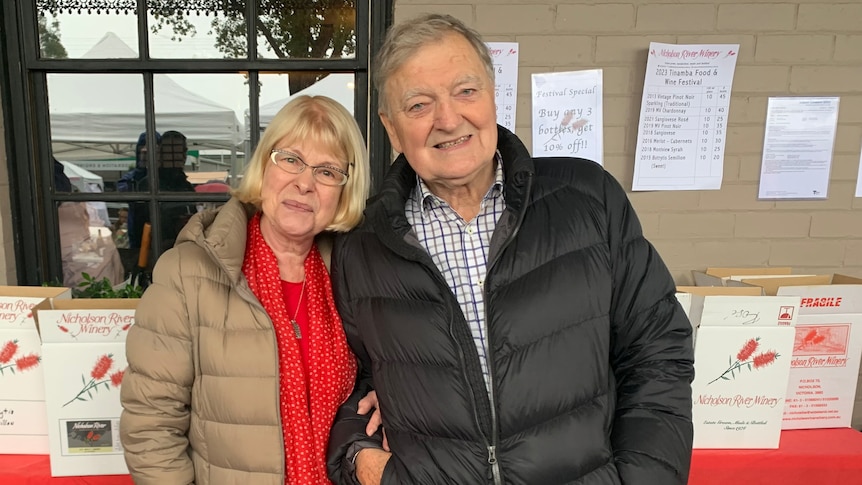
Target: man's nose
[{"x": 446, "y": 116}]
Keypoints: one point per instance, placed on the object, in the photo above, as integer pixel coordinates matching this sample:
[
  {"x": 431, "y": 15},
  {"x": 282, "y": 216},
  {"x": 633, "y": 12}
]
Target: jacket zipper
[{"x": 495, "y": 474}]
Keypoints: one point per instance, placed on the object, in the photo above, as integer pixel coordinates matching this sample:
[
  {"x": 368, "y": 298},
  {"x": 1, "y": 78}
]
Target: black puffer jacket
[{"x": 590, "y": 354}]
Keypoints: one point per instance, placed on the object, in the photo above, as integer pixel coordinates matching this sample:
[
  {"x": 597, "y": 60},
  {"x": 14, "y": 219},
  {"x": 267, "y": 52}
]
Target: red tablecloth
[
  {"x": 805, "y": 457},
  {"x": 36, "y": 470}
]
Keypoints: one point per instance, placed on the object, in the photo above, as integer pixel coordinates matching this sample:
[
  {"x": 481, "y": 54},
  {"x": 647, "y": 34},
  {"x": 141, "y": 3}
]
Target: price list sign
[
  {"x": 683, "y": 122},
  {"x": 504, "y": 56}
]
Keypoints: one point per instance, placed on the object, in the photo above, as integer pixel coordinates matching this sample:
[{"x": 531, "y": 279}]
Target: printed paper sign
[
  {"x": 567, "y": 115},
  {"x": 684, "y": 112},
  {"x": 797, "y": 148},
  {"x": 504, "y": 55}
]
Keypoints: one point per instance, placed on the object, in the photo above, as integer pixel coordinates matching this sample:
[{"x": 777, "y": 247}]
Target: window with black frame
[{"x": 150, "y": 118}]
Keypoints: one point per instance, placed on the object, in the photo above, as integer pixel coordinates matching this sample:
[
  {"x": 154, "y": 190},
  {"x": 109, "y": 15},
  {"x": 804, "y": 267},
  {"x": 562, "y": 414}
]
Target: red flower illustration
[
  {"x": 103, "y": 365},
  {"x": 117, "y": 378},
  {"x": 747, "y": 349},
  {"x": 764, "y": 359},
  {"x": 27, "y": 362},
  {"x": 8, "y": 351},
  {"x": 742, "y": 360},
  {"x": 100, "y": 370}
]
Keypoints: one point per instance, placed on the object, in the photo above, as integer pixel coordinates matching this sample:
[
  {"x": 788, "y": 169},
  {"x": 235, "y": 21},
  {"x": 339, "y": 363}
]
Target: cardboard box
[
  {"x": 23, "y": 425},
  {"x": 725, "y": 276},
  {"x": 742, "y": 366},
  {"x": 827, "y": 353},
  {"x": 83, "y": 348}
]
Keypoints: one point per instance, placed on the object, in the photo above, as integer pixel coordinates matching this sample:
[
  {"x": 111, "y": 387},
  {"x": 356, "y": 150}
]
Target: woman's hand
[{"x": 366, "y": 404}]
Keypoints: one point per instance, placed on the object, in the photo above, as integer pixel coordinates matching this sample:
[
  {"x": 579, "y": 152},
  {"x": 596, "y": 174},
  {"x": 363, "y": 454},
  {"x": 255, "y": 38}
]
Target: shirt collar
[{"x": 430, "y": 200}]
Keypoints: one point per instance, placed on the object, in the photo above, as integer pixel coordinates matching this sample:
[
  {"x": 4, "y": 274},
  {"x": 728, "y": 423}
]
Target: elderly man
[{"x": 514, "y": 322}]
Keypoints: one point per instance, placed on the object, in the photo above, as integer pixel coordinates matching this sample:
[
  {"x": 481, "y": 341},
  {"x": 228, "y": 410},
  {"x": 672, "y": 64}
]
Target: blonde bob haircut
[{"x": 320, "y": 120}]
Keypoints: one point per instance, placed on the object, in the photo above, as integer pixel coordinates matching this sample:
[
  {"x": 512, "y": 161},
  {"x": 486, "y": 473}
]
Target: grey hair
[{"x": 405, "y": 38}]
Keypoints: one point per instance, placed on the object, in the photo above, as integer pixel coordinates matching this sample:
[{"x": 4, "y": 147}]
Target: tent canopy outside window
[{"x": 100, "y": 116}]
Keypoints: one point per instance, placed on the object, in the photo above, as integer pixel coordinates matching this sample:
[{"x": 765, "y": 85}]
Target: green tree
[
  {"x": 49, "y": 40},
  {"x": 292, "y": 29}
]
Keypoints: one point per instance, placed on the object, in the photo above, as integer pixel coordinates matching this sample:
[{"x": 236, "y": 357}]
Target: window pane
[
  {"x": 97, "y": 121},
  {"x": 198, "y": 117},
  {"x": 303, "y": 29},
  {"x": 88, "y": 34},
  {"x": 275, "y": 89},
  {"x": 205, "y": 33},
  {"x": 87, "y": 243}
]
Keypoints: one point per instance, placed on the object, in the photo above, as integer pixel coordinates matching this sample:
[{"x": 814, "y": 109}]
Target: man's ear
[{"x": 390, "y": 130}]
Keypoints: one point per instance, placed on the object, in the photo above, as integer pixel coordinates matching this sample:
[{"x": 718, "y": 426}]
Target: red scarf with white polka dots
[{"x": 310, "y": 394}]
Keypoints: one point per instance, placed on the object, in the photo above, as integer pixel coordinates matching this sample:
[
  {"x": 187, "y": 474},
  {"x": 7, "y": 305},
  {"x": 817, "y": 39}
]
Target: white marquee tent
[
  {"x": 338, "y": 86},
  {"x": 100, "y": 116}
]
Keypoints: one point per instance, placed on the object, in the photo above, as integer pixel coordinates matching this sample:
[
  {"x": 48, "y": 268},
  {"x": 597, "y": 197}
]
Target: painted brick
[
  {"x": 730, "y": 252},
  {"x": 514, "y": 19},
  {"x": 773, "y": 224},
  {"x": 794, "y": 48},
  {"x": 746, "y": 43},
  {"x": 748, "y": 109},
  {"x": 845, "y": 167},
  {"x": 615, "y": 140},
  {"x": 620, "y": 110},
  {"x": 848, "y": 48},
  {"x": 595, "y": 18},
  {"x": 756, "y": 17},
  {"x": 741, "y": 197},
  {"x": 821, "y": 252},
  {"x": 617, "y": 80},
  {"x": 847, "y": 138},
  {"x": 826, "y": 79},
  {"x": 853, "y": 254},
  {"x": 760, "y": 79},
  {"x": 850, "y": 110},
  {"x": 555, "y": 50},
  {"x": 749, "y": 168},
  {"x": 659, "y": 201},
  {"x": 627, "y": 48},
  {"x": 744, "y": 140},
  {"x": 837, "y": 224},
  {"x": 649, "y": 225},
  {"x": 836, "y": 17},
  {"x": 699, "y": 225},
  {"x": 730, "y": 172},
  {"x": 675, "y": 18}
]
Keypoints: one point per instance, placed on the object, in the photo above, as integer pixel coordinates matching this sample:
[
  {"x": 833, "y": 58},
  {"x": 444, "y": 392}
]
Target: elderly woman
[{"x": 238, "y": 360}]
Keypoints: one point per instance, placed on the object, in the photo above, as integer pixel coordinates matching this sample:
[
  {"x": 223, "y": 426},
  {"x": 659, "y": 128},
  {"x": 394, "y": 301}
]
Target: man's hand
[
  {"x": 366, "y": 404},
  {"x": 370, "y": 463}
]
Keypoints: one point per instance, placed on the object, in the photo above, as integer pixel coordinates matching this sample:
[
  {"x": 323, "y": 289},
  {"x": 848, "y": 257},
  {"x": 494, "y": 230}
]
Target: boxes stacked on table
[
  {"x": 23, "y": 424},
  {"x": 824, "y": 358},
  {"x": 742, "y": 366},
  {"x": 83, "y": 349}
]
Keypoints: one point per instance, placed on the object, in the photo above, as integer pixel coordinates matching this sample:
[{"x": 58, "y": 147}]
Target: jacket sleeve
[
  {"x": 652, "y": 357},
  {"x": 156, "y": 391},
  {"x": 348, "y": 427}
]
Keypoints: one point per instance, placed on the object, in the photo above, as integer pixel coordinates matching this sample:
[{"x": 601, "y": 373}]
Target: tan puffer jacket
[{"x": 200, "y": 396}]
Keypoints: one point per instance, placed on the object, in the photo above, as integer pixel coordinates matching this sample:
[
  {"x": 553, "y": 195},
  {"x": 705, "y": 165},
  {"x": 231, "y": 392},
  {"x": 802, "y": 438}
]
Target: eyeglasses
[{"x": 323, "y": 174}]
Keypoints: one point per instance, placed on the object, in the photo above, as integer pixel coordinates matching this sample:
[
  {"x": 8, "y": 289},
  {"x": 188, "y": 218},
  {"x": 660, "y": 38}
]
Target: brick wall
[{"x": 796, "y": 47}]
